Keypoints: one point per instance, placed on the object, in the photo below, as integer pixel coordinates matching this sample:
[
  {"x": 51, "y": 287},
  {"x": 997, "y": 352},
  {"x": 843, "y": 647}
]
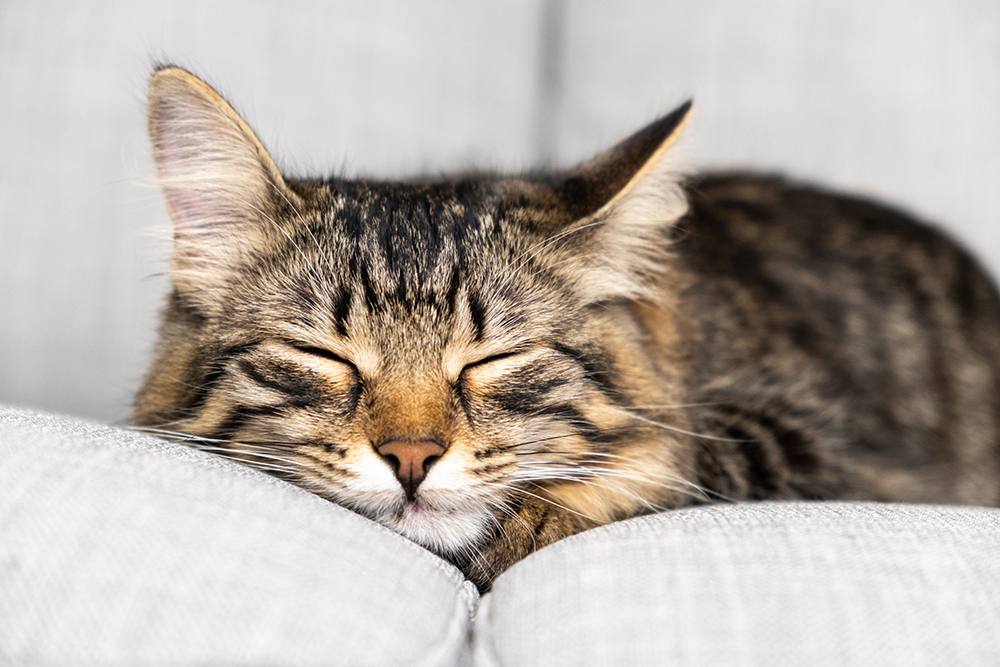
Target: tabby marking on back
[{"x": 487, "y": 364}]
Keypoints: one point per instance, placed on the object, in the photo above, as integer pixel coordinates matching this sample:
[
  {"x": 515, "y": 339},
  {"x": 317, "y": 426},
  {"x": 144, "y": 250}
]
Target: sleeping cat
[{"x": 488, "y": 364}]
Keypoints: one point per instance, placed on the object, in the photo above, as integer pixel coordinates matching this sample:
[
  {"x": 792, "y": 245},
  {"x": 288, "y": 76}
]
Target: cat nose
[{"x": 410, "y": 461}]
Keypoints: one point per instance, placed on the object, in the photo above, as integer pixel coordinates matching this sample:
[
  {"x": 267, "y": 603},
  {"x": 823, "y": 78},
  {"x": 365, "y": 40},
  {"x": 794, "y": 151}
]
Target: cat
[{"x": 488, "y": 364}]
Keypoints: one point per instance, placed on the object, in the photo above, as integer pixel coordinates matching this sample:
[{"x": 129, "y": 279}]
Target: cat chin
[{"x": 444, "y": 531}]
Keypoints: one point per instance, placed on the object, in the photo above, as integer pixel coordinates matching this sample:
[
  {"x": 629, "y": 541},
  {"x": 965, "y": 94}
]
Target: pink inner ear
[
  {"x": 207, "y": 173},
  {"x": 202, "y": 178},
  {"x": 188, "y": 210}
]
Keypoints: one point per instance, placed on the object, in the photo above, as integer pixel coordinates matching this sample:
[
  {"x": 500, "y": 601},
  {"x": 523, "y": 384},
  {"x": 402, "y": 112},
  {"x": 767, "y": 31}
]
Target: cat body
[{"x": 489, "y": 364}]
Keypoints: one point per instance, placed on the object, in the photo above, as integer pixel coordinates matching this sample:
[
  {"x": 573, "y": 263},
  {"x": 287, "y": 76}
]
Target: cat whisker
[
  {"x": 671, "y": 406},
  {"x": 258, "y": 455},
  {"x": 617, "y": 480},
  {"x": 636, "y": 417},
  {"x": 678, "y": 429},
  {"x": 474, "y": 556},
  {"x": 229, "y": 451},
  {"x": 173, "y": 435},
  {"x": 528, "y": 443},
  {"x": 705, "y": 436},
  {"x": 624, "y": 490},
  {"x": 569, "y": 471},
  {"x": 620, "y": 487},
  {"x": 549, "y": 501},
  {"x": 177, "y": 435}
]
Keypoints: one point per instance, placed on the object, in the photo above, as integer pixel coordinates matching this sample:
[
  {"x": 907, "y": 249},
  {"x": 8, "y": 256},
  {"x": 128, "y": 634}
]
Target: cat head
[{"x": 423, "y": 352}]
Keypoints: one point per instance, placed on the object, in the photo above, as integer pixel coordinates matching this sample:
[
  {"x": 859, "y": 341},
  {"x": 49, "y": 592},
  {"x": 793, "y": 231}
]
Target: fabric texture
[
  {"x": 120, "y": 549},
  {"x": 757, "y": 584}
]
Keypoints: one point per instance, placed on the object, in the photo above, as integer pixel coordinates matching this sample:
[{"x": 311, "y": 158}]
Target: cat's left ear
[
  {"x": 223, "y": 191},
  {"x": 625, "y": 201}
]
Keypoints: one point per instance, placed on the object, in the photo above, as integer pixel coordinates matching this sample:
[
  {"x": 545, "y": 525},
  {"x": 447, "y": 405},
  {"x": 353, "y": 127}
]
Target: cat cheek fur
[{"x": 575, "y": 347}]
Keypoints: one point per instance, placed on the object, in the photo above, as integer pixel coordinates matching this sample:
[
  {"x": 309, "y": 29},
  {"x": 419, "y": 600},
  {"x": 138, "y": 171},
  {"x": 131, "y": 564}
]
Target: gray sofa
[{"x": 121, "y": 549}]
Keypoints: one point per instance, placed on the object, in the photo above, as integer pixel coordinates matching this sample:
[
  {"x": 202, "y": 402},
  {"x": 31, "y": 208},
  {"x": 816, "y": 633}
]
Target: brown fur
[{"x": 583, "y": 346}]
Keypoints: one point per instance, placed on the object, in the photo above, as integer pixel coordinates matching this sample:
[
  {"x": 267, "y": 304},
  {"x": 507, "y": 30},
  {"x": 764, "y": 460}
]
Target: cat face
[
  {"x": 427, "y": 354},
  {"x": 347, "y": 339}
]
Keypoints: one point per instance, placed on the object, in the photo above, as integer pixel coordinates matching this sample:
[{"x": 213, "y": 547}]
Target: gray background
[{"x": 897, "y": 99}]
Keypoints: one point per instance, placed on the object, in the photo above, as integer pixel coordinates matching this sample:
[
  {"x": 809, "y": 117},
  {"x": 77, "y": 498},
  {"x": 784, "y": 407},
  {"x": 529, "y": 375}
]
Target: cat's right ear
[
  {"x": 624, "y": 203},
  {"x": 222, "y": 189}
]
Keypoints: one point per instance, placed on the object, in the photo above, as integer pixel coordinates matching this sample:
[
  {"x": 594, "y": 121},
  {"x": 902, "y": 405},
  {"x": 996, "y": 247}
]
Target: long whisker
[
  {"x": 200, "y": 440},
  {"x": 678, "y": 429},
  {"x": 249, "y": 451},
  {"x": 518, "y": 489},
  {"x": 671, "y": 406},
  {"x": 575, "y": 460},
  {"x": 615, "y": 478},
  {"x": 269, "y": 456}
]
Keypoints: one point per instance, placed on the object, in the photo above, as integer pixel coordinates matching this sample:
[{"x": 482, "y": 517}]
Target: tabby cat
[{"x": 488, "y": 364}]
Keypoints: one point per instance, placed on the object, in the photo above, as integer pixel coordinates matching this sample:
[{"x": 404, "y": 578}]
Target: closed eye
[
  {"x": 320, "y": 352},
  {"x": 355, "y": 383},
  {"x": 492, "y": 358}
]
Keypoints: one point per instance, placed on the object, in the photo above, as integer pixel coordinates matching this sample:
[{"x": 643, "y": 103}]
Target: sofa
[{"x": 117, "y": 548}]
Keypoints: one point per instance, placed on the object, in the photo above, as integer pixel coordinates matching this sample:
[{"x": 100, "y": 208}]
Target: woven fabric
[
  {"x": 119, "y": 549},
  {"x": 765, "y": 584}
]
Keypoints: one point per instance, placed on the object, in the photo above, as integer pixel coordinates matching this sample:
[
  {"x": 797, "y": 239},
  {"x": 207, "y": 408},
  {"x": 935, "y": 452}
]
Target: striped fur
[{"x": 583, "y": 346}]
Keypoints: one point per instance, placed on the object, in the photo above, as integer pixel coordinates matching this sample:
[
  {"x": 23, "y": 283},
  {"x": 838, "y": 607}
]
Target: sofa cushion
[
  {"x": 120, "y": 549},
  {"x": 757, "y": 584}
]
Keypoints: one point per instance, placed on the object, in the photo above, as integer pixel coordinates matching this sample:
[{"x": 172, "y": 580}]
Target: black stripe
[
  {"x": 478, "y": 314},
  {"x": 522, "y": 395},
  {"x": 330, "y": 448},
  {"x": 762, "y": 475},
  {"x": 541, "y": 520},
  {"x": 489, "y": 452},
  {"x": 572, "y": 416},
  {"x": 596, "y": 368},
  {"x": 360, "y": 269},
  {"x": 775, "y": 453},
  {"x": 342, "y": 310},
  {"x": 331, "y": 467},
  {"x": 452, "y": 295},
  {"x": 241, "y": 415},
  {"x": 215, "y": 370},
  {"x": 354, "y": 397},
  {"x": 798, "y": 451},
  {"x": 301, "y": 389}
]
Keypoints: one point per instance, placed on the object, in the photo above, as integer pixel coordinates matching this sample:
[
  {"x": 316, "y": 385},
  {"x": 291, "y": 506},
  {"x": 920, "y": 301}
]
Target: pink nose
[{"x": 410, "y": 461}]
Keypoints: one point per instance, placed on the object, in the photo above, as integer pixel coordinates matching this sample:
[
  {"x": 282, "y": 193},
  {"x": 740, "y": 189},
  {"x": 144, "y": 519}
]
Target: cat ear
[
  {"x": 625, "y": 201},
  {"x": 222, "y": 189}
]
